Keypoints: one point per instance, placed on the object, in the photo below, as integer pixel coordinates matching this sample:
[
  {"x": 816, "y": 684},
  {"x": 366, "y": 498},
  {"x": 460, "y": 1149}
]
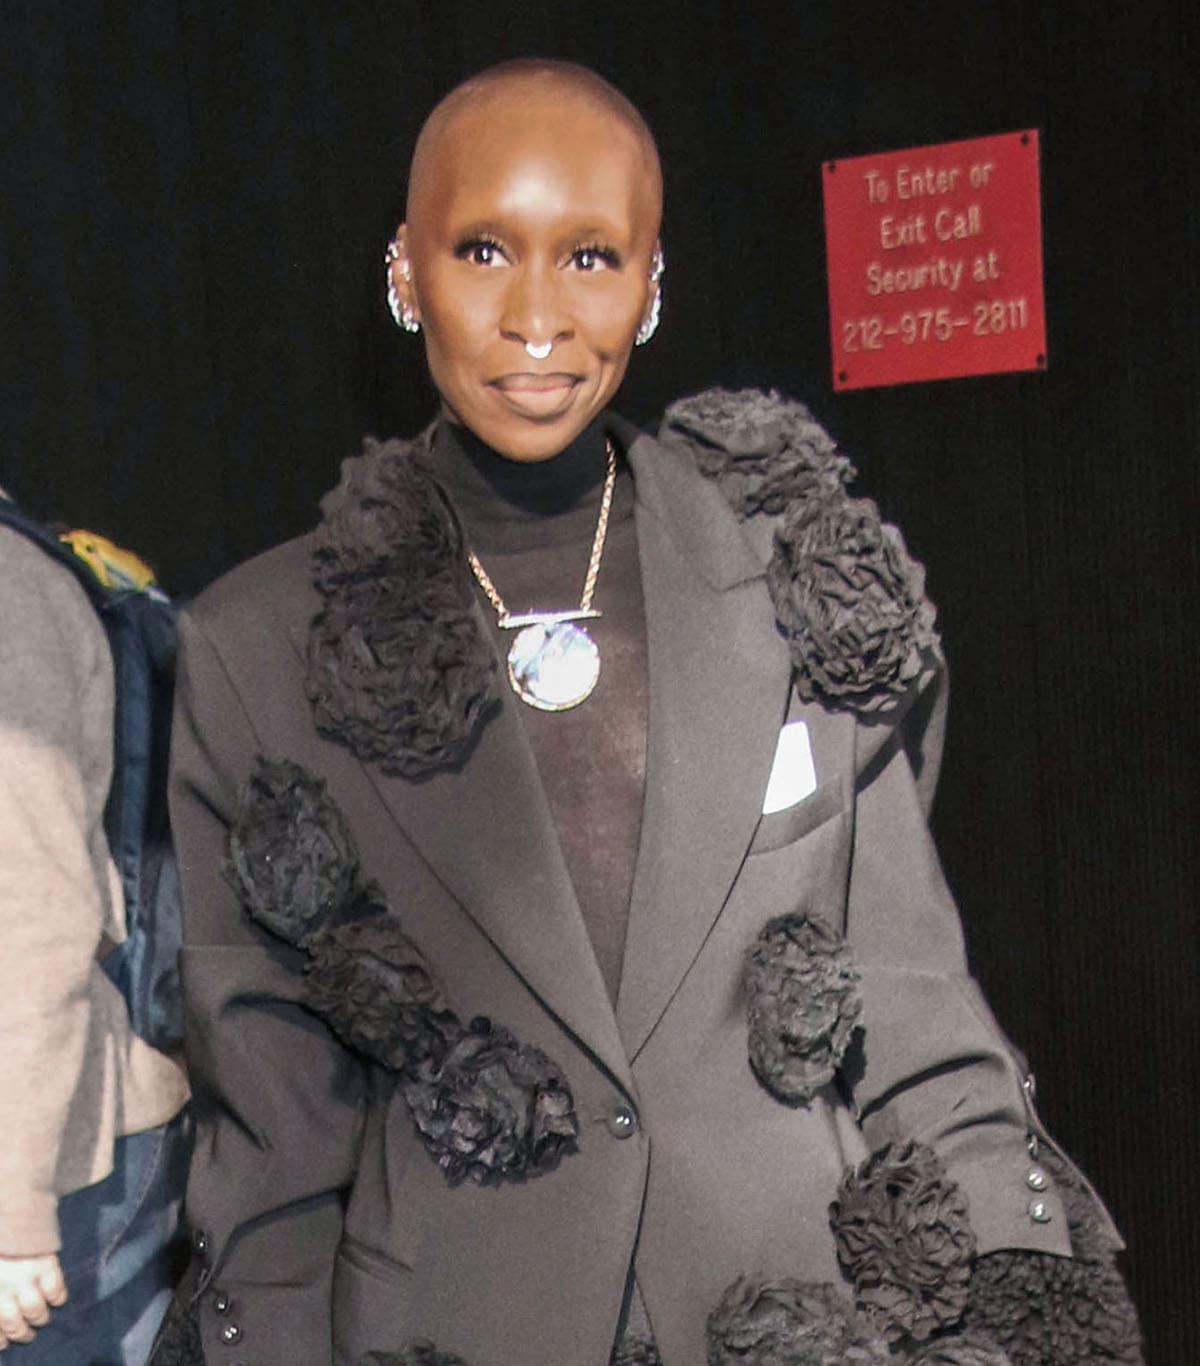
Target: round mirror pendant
[{"x": 553, "y": 666}]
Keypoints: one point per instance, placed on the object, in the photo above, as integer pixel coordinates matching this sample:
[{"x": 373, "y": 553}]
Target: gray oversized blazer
[{"x": 327, "y": 1231}]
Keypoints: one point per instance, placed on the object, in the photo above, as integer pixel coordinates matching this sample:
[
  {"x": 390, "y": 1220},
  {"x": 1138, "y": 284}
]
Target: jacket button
[
  {"x": 1040, "y": 1212},
  {"x": 1033, "y": 1145},
  {"x": 200, "y": 1242},
  {"x": 622, "y": 1122},
  {"x": 1035, "y": 1179},
  {"x": 231, "y": 1334},
  {"x": 1029, "y": 1086},
  {"x": 221, "y": 1302}
]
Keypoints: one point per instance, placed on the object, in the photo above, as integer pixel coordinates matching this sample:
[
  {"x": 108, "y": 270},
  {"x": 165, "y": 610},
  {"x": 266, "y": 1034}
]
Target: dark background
[{"x": 194, "y": 198}]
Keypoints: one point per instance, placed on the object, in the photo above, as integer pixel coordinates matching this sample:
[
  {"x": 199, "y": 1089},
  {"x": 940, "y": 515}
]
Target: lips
[{"x": 537, "y": 395}]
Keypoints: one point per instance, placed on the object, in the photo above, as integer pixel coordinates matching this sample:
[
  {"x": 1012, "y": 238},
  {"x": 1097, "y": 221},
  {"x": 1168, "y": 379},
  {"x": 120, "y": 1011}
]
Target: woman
[{"x": 581, "y": 981}]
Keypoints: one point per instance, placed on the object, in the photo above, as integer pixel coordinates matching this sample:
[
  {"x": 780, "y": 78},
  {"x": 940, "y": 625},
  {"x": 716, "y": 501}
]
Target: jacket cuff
[{"x": 30, "y": 1228}]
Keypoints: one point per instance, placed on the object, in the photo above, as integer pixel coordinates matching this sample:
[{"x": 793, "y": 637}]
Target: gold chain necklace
[{"x": 553, "y": 664}]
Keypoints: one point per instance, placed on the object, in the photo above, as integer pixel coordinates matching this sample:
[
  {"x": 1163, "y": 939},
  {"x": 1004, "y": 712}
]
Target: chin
[{"x": 530, "y": 442}]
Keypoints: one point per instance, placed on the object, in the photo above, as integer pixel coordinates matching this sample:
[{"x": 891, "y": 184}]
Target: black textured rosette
[
  {"x": 1065, "y": 1310},
  {"x": 291, "y": 857},
  {"x": 762, "y": 450},
  {"x": 903, "y": 1238},
  {"x": 398, "y": 670},
  {"x": 374, "y": 988},
  {"x": 850, "y": 601},
  {"x": 635, "y": 1351},
  {"x": 786, "y": 1322},
  {"x": 387, "y": 513},
  {"x": 495, "y": 1109},
  {"x": 804, "y": 1004},
  {"x": 959, "y": 1350},
  {"x": 422, "y": 1353}
]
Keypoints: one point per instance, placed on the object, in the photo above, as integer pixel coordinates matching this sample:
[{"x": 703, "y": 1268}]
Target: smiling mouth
[{"x": 537, "y": 395}]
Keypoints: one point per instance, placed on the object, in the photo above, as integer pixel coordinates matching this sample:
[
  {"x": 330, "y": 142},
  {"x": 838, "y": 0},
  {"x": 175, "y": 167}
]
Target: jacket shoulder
[{"x": 271, "y": 589}]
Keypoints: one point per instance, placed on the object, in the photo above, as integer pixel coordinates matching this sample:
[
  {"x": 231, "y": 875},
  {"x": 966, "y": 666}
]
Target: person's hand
[{"x": 29, "y": 1288}]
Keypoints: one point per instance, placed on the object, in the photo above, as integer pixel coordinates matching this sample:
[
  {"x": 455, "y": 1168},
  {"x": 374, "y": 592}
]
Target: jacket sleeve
[
  {"x": 278, "y": 1101},
  {"x": 935, "y": 1064},
  {"x": 56, "y": 701}
]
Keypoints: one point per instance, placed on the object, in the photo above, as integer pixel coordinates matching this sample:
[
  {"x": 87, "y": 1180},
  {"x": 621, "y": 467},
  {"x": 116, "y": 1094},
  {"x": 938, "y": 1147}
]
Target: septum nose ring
[{"x": 538, "y": 352}]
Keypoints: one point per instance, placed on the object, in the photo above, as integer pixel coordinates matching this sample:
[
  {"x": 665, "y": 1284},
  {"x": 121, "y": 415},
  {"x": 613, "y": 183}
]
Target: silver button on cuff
[
  {"x": 221, "y": 1302},
  {"x": 1033, "y": 1145},
  {"x": 1040, "y": 1212},
  {"x": 200, "y": 1242},
  {"x": 231, "y": 1334},
  {"x": 622, "y": 1122},
  {"x": 1036, "y": 1179},
  {"x": 1029, "y": 1086}
]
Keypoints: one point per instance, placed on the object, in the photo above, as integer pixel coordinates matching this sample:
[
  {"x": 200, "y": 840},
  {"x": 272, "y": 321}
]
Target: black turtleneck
[{"x": 532, "y": 527}]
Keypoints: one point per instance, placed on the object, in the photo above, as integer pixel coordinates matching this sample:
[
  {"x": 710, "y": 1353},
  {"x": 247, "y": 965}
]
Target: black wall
[{"x": 195, "y": 198}]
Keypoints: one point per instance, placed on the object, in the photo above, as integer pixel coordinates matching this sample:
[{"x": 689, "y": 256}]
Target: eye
[
  {"x": 595, "y": 257},
  {"x": 481, "y": 251}
]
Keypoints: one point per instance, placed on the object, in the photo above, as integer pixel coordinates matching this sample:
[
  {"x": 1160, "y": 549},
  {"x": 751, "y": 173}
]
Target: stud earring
[
  {"x": 402, "y": 313},
  {"x": 650, "y": 323}
]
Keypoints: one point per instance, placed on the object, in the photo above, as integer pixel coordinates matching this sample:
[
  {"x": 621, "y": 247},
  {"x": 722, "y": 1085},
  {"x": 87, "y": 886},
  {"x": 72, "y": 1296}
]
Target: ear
[
  {"x": 400, "y": 270},
  {"x": 653, "y": 289}
]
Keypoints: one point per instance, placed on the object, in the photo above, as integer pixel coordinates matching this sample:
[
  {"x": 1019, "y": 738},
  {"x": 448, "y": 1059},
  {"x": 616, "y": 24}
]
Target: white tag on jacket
[{"x": 793, "y": 776}]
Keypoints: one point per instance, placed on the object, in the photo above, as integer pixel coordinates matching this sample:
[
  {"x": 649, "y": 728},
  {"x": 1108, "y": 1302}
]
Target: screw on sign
[{"x": 935, "y": 262}]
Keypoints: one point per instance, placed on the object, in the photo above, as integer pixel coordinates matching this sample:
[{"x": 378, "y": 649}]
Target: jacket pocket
[
  {"x": 784, "y": 827},
  {"x": 363, "y": 1257}
]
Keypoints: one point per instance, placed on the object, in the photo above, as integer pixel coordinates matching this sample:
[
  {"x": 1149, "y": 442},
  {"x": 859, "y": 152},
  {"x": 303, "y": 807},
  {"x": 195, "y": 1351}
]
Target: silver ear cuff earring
[
  {"x": 650, "y": 323},
  {"x": 402, "y": 313}
]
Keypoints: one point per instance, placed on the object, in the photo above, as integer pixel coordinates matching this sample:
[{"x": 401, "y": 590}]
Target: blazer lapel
[
  {"x": 487, "y": 833},
  {"x": 719, "y": 687}
]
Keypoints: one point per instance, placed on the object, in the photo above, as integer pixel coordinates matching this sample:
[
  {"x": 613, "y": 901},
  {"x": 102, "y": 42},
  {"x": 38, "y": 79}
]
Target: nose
[{"x": 535, "y": 311}]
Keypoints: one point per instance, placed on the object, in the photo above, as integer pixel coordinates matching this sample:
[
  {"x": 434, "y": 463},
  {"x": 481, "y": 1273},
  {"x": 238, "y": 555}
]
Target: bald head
[{"x": 537, "y": 85}]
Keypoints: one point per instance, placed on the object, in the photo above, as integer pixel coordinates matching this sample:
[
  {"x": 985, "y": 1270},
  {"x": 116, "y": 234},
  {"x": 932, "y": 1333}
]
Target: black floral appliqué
[
  {"x": 967, "y": 1350},
  {"x": 488, "y": 1107},
  {"x": 804, "y": 1004},
  {"x": 420, "y": 1353},
  {"x": 850, "y": 601},
  {"x": 398, "y": 670},
  {"x": 1067, "y": 1310},
  {"x": 291, "y": 855},
  {"x": 372, "y": 985},
  {"x": 786, "y": 1322},
  {"x": 762, "y": 450},
  {"x": 903, "y": 1238},
  {"x": 494, "y": 1108},
  {"x": 635, "y": 1351}
]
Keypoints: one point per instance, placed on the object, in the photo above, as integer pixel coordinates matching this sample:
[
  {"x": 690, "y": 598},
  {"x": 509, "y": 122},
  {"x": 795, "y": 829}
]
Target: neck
[{"x": 507, "y": 505}]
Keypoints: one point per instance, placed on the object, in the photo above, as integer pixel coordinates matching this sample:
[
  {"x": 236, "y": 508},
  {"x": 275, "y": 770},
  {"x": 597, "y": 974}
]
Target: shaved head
[
  {"x": 537, "y": 82},
  {"x": 529, "y": 255}
]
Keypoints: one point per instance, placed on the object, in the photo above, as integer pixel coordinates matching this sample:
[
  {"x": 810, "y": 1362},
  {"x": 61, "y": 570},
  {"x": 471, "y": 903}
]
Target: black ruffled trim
[
  {"x": 1068, "y": 1311},
  {"x": 849, "y": 599},
  {"x": 903, "y": 1238},
  {"x": 398, "y": 670},
  {"x": 178, "y": 1342},
  {"x": 415, "y": 1354},
  {"x": 850, "y": 602},
  {"x": 636, "y": 1351},
  {"x": 804, "y": 1005},
  {"x": 786, "y": 1322},
  {"x": 763, "y": 451},
  {"x": 968, "y": 1350},
  {"x": 291, "y": 857},
  {"x": 487, "y": 1107},
  {"x": 494, "y": 1109}
]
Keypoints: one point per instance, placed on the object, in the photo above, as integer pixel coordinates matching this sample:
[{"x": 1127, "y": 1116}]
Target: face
[{"x": 532, "y": 226}]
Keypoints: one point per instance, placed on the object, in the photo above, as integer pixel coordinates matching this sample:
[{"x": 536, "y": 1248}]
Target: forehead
[{"x": 528, "y": 148}]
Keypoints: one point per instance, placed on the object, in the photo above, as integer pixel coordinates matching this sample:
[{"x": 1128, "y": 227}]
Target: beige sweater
[{"x": 73, "y": 1076}]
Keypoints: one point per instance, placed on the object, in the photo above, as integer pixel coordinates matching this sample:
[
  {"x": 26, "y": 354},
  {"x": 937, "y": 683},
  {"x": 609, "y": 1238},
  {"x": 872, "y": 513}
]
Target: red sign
[{"x": 935, "y": 262}]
